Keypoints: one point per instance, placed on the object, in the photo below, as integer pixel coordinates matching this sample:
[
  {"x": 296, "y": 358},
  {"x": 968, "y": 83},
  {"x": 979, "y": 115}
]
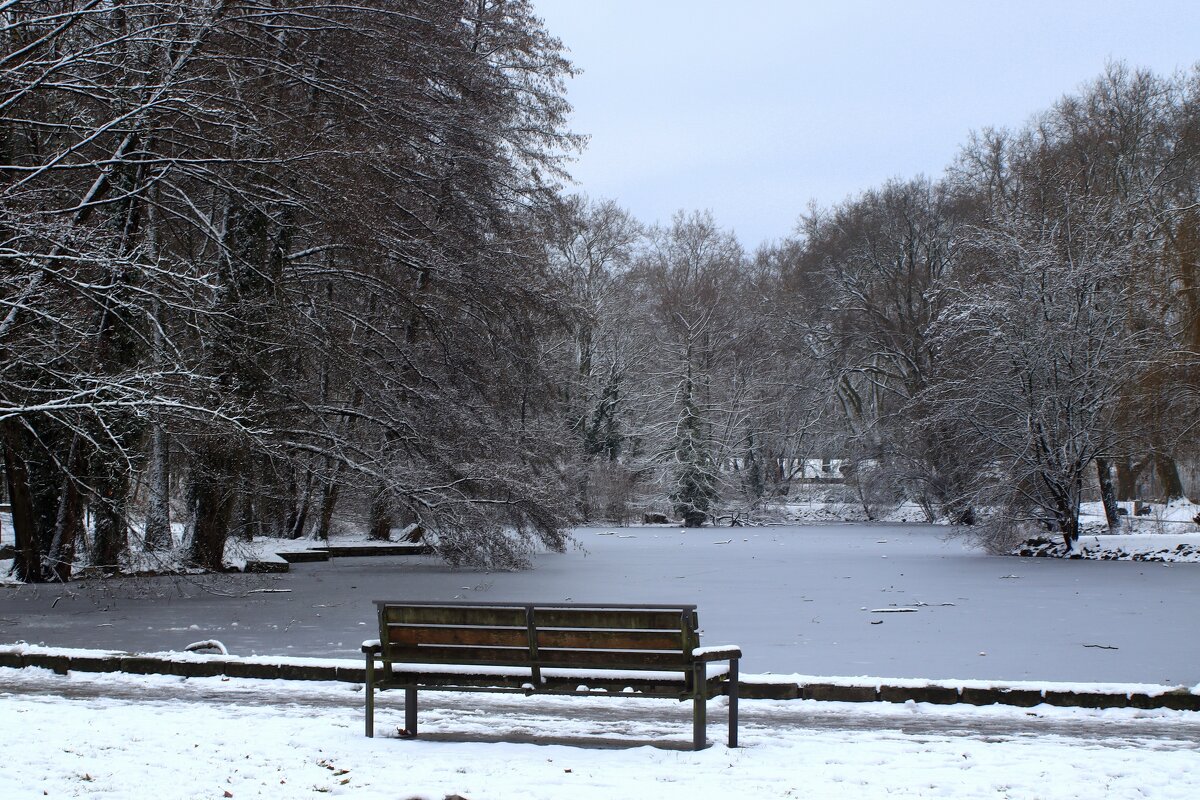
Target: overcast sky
[{"x": 751, "y": 109}]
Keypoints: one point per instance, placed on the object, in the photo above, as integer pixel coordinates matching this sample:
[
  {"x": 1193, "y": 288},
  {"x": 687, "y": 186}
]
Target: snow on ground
[
  {"x": 1166, "y": 533},
  {"x": 163, "y": 737},
  {"x": 1178, "y": 516},
  {"x": 834, "y": 505},
  {"x": 174, "y": 561},
  {"x": 1164, "y": 547}
]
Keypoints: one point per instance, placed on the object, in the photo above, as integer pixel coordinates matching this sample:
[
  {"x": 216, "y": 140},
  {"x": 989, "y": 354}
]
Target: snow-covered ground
[
  {"x": 1178, "y": 516},
  {"x": 837, "y": 503},
  {"x": 238, "y": 553},
  {"x": 1165, "y": 547},
  {"x": 162, "y": 737}
]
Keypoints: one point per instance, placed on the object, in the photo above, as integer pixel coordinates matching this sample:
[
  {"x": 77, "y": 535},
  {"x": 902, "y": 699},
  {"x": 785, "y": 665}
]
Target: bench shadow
[{"x": 588, "y": 742}]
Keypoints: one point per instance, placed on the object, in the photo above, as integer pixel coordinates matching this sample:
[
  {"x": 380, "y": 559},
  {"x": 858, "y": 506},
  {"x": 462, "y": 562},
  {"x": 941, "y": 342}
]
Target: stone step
[
  {"x": 305, "y": 556},
  {"x": 347, "y": 551}
]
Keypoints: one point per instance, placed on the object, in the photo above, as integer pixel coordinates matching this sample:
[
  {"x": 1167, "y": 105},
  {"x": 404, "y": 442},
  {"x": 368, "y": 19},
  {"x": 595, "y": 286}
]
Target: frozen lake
[{"x": 798, "y": 599}]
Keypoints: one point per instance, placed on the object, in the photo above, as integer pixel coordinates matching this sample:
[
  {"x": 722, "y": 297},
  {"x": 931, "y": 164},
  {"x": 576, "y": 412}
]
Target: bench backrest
[{"x": 652, "y": 637}]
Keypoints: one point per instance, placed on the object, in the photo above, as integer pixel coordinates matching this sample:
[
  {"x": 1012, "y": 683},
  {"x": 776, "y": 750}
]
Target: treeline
[
  {"x": 265, "y": 266},
  {"x": 987, "y": 345},
  {"x": 262, "y": 261}
]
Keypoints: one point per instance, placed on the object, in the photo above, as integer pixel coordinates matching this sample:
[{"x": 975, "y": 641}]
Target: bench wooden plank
[
  {"x": 455, "y": 615},
  {"x": 555, "y": 637},
  {"x": 581, "y": 687},
  {"x": 610, "y": 618},
  {"x": 411, "y": 635},
  {"x": 602, "y": 659},
  {"x": 469, "y": 656},
  {"x": 610, "y": 640},
  {"x": 514, "y": 657}
]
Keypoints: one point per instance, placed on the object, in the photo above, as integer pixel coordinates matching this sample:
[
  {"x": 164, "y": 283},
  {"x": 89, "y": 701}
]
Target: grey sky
[{"x": 752, "y": 109}]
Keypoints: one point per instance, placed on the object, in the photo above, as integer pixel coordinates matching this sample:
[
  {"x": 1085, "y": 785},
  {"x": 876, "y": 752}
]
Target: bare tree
[
  {"x": 226, "y": 240},
  {"x": 688, "y": 278},
  {"x": 876, "y": 271},
  {"x": 1037, "y": 353}
]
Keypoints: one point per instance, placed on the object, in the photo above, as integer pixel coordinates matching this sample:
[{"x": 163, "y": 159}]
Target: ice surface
[{"x": 792, "y": 596}]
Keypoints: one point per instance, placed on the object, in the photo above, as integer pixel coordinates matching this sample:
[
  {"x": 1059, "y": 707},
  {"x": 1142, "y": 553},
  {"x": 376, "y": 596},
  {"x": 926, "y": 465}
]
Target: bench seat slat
[
  {"x": 608, "y": 659},
  {"x": 449, "y": 654},
  {"x": 557, "y": 686},
  {"x": 610, "y": 640},
  {"x": 551, "y": 677},
  {"x": 515, "y": 657}
]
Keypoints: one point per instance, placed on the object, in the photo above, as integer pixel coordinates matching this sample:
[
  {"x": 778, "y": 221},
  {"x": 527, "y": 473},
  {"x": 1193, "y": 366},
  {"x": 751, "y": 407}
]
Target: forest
[{"x": 271, "y": 267}]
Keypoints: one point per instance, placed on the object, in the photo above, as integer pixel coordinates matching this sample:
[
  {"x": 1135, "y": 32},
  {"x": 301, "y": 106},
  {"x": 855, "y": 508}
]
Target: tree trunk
[
  {"x": 213, "y": 496},
  {"x": 28, "y": 564},
  {"x": 329, "y": 498},
  {"x": 214, "y": 504},
  {"x": 1066, "y": 512},
  {"x": 158, "y": 504},
  {"x": 1128, "y": 472},
  {"x": 1070, "y": 532},
  {"x": 1168, "y": 477},
  {"x": 110, "y": 537},
  {"x": 244, "y": 517},
  {"x": 1108, "y": 494},
  {"x": 68, "y": 521},
  {"x": 1068, "y": 528},
  {"x": 67, "y": 529},
  {"x": 298, "y": 519},
  {"x": 381, "y": 516}
]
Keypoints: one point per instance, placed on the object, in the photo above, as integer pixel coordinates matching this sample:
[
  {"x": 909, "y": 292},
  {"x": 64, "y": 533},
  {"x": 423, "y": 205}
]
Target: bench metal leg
[
  {"x": 370, "y": 688},
  {"x": 699, "y": 708},
  {"x": 733, "y": 702},
  {"x": 410, "y": 711}
]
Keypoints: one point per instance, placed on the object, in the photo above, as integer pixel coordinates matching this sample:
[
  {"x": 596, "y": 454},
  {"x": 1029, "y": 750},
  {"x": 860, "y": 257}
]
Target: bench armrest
[
  {"x": 372, "y": 647},
  {"x": 722, "y": 653}
]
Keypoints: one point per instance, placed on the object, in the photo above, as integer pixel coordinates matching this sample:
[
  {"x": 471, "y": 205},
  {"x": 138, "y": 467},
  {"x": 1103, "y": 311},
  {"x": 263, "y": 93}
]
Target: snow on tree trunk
[
  {"x": 1108, "y": 494},
  {"x": 158, "y": 496}
]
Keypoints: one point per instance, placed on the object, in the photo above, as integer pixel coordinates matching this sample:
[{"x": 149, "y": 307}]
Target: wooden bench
[{"x": 573, "y": 649}]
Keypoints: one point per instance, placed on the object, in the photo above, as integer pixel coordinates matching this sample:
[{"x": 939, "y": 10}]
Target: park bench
[{"x": 533, "y": 649}]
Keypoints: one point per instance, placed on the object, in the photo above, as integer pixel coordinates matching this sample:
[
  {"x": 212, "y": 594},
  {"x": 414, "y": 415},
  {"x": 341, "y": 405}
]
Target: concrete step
[
  {"x": 347, "y": 551},
  {"x": 305, "y": 556}
]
